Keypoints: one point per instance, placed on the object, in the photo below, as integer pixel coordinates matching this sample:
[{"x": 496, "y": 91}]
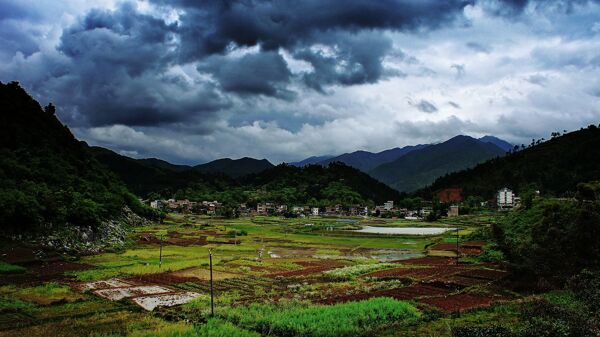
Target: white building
[
  {"x": 156, "y": 204},
  {"x": 389, "y": 205},
  {"x": 505, "y": 199},
  {"x": 315, "y": 211}
]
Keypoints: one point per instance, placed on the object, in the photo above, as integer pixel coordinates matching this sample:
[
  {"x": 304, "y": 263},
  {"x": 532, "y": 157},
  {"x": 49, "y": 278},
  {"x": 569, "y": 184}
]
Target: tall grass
[{"x": 302, "y": 319}]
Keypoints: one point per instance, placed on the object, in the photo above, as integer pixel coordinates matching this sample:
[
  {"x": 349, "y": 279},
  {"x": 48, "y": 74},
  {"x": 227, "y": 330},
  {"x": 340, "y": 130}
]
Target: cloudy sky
[{"x": 191, "y": 81}]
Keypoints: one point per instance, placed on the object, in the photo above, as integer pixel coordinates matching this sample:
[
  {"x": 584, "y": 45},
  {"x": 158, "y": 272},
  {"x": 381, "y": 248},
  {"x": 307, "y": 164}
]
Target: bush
[
  {"x": 544, "y": 319},
  {"x": 491, "y": 331},
  {"x": 586, "y": 287},
  {"x": 350, "y": 272}
]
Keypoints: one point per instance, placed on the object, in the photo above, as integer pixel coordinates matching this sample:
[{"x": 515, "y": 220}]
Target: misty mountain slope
[
  {"x": 504, "y": 145},
  {"x": 234, "y": 168},
  {"x": 365, "y": 161},
  {"x": 554, "y": 167},
  {"x": 311, "y": 160},
  {"x": 421, "y": 167}
]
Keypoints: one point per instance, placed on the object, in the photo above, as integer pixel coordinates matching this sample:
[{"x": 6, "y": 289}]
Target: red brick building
[{"x": 450, "y": 195}]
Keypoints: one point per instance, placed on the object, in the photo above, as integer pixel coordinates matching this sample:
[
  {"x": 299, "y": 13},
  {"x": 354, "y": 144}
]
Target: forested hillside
[
  {"x": 48, "y": 179},
  {"x": 287, "y": 184},
  {"x": 234, "y": 168},
  {"x": 153, "y": 178},
  {"x": 554, "y": 167}
]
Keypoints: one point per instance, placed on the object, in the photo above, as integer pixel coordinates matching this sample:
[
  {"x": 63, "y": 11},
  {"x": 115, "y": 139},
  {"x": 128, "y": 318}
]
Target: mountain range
[
  {"x": 420, "y": 168},
  {"x": 412, "y": 167}
]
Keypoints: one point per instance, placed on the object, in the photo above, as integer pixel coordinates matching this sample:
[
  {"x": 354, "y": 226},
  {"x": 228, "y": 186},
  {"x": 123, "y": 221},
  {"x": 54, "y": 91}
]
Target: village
[{"x": 451, "y": 200}]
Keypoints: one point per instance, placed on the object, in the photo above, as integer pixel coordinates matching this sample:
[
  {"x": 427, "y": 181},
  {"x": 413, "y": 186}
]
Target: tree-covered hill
[
  {"x": 554, "y": 167},
  {"x": 157, "y": 178},
  {"x": 48, "y": 179},
  {"x": 234, "y": 168},
  {"x": 421, "y": 167},
  {"x": 335, "y": 183},
  {"x": 286, "y": 184}
]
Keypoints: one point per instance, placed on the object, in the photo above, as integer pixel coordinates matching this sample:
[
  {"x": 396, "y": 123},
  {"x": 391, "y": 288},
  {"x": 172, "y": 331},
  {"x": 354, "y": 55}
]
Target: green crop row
[{"x": 303, "y": 319}]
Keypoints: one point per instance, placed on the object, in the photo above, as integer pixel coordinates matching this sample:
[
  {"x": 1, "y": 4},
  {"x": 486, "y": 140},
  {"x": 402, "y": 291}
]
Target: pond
[{"x": 404, "y": 230}]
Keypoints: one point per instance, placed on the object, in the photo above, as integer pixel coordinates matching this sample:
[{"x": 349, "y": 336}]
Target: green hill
[
  {"x": 421, "y": 167},
  {"x": 554, "y": 167},
  {"x": 49, "y": 179},
  {"x": 335, "y": 183},
  {"x": 234, "y": 168},
  {"x": 154, "y": 176}
]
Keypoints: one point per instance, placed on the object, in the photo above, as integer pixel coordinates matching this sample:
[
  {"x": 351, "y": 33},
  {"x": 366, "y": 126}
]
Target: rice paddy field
[{"x": 271, "y": 277}]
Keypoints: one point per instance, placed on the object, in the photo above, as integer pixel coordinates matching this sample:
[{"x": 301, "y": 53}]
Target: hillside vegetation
[
  {"x": 554, "y": 167},
  {"x": 48, "y": 178},
  {"x": 286, "y": 184}
]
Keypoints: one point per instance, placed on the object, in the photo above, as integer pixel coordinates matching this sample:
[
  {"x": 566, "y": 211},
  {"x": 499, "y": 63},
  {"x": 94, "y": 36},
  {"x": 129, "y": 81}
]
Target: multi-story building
[
  {"x": 388, "y": 206},
  {"x": 505, "y": 199}
]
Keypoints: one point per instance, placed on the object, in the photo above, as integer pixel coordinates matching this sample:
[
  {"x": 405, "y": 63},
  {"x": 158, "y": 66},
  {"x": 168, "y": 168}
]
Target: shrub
[
  {"x": 488, "y": 331},
  {"x": 350, "y": 272},
  {"x": 544, "y": 319}
]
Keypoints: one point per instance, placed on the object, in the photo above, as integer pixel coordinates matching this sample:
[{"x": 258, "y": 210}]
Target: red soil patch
[
  {"x": 459, "y": 302},
  {"x": 484, "y": 274},
  {"x": 431, "y": 273},
  {"x": 40, "y": 272},
  {"x": 470, "y": 251},
  {"x": 474, "y": 244},
  {"x": 444, "y": 246},
  {"x": 310, "y": 267},
  {"x": 428, "y": 261},
  {"x": 405, "y": 293}
]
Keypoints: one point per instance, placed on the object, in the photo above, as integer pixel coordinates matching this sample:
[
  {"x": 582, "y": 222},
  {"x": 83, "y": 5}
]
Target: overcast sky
[{"x": 191, "y": 81}]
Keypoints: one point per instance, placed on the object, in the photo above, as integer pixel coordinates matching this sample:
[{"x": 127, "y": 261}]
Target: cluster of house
[
  {"x": 186, "y": 206},
  {"x": 340, "y": 210},
  {"x": 505, "y": 199},
  {"x": 271, "y": 208}
]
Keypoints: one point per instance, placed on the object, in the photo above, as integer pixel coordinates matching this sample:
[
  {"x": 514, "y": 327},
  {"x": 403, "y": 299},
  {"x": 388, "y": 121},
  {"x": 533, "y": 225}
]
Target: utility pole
[
  {"x": 457, "y": 246},
  {"x": 160, "y": 254},
  {"x": 212, "y": 297}
]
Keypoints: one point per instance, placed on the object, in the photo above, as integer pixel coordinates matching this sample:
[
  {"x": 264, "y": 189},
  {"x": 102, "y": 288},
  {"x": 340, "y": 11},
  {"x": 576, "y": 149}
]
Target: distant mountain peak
[{"x": 504, "y": 145}]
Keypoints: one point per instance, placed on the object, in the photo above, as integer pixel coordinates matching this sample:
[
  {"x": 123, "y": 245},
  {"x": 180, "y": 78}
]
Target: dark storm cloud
[
  {"x": 355, "y": 59},
  {"x": 11, "y": 9},
  {"x": 13, "y": 40},
  {"x": 478, "y": 47},
  {"x": 425, "y": 106},
  {"x": 510, "y": 8},
  {"x": 210, "y": 27},
  {"x": 348, "y": 26},
  {"x": 264, "y": 73},
  {"x": 454, "y": 105},
  {"x": 118, "y": 73}
]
